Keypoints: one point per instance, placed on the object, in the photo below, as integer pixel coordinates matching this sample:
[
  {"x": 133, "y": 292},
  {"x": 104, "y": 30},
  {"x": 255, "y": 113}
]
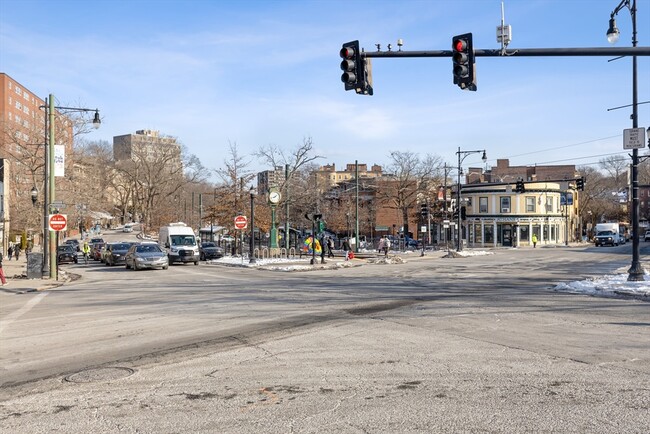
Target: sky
[{"x": 260, "y": 73}]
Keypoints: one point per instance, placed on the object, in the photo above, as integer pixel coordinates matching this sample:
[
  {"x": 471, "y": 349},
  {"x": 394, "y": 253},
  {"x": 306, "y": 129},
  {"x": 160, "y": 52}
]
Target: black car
[
  {"x": 209, "y": 250},
  {"x": 74, "y": 243},
  {"x": 115, "y": 253},
  {"x": 66, "y": 253}
]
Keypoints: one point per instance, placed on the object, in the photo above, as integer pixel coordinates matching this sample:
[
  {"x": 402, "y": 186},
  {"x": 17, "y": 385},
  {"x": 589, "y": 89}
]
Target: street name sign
[{"x": 634, "y": 138}]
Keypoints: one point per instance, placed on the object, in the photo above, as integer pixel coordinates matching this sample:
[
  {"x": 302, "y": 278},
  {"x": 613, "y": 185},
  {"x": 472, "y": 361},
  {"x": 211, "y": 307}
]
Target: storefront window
[
  {"x": 489, "y": 234},
  {"x": 523, "y": 233}
]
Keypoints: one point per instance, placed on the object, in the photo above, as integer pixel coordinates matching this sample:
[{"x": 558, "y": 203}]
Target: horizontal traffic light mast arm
[{"x": 522, "y": 52}]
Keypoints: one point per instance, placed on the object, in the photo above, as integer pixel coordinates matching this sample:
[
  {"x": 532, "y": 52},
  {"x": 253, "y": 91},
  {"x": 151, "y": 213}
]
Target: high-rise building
[{"x": 148, "y": 145}]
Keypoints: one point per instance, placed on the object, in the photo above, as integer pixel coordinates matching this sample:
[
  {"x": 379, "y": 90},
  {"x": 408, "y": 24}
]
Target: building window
[
  {"x": 505, "y": 204},
  {"x": 530, "y": 204},
  {"x": 549, "y": 204},
  {"x": 523, "y": 233},
  {"x": 482, "y": 204},
  {"x": 489, "y": 234}
]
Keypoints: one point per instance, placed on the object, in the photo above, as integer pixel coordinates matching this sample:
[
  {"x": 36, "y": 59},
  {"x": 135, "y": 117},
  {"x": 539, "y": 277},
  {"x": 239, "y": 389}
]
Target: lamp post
[
  {"x": 251, "y": 246},
  {"x": 50, "y": 109},
  {"x": 635, "y": 273},
  {"x": 34, "y": 195},
  {"x": 461, "y": 157}
]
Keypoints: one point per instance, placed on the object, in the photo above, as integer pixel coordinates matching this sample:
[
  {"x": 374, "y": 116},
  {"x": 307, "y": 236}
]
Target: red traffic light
[
  {"x": 460, "y": 45},
  {"x": 347, "y": 52}
]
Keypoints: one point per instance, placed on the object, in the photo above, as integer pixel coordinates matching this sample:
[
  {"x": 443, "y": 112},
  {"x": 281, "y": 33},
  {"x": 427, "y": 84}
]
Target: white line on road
[{"x": 23, "y": 310}]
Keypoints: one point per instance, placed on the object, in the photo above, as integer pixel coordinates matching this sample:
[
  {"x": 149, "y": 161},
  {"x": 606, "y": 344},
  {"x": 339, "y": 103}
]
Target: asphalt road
[{"x": 477, "y": 344}]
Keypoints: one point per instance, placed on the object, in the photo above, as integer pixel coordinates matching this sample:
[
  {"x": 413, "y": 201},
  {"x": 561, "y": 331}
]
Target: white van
[
  {"x": 179, "y": 242},
  {"x": 608, "y": 233}
]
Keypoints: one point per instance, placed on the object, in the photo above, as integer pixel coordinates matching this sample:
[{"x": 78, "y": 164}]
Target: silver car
[{"x": 146, "y": 255}]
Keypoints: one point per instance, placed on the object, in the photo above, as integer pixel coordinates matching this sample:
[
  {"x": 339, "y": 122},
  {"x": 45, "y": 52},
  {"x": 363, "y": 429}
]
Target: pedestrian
[
  {"x": 534, "y": 239},
  {"x": 346, "y": 248},
  {"x": 17, "y": 251},
  {"x": 380, "y": 247},
  {"x": 330, "y": 247},
  {"x": 3, "y": 279},
  {"x": 386, "y": 246},
  {"x": 323, "y": 247},
  {"x": 10, "y": 251}
]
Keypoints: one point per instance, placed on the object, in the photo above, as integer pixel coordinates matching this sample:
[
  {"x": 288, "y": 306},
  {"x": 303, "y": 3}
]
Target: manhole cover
[{"x": 99, "y": 374}]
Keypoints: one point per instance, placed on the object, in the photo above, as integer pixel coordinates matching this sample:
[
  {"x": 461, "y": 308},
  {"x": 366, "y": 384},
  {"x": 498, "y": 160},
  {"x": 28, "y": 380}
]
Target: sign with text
[
  {"x": 58, "y": 222},
  {"x": 241, "y": 222},
  {"x": 634, "y": 138},
  {"x": 59, "y": 160}
]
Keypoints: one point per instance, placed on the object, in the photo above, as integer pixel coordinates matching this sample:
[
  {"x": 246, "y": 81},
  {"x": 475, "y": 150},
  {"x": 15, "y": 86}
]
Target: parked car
[
  {"x": 146, "y": 255},
  {"x": 127, "y": 228},
  {"x": 96, "y": 240},
  {"x": 66, "y": 253},
  {"x": 210, "y": 250},
  {"x": 74, "y": 243},
  {"x": 96, "y": 251},
  {"x": 115, "y": 253},
  {"x": 646, "y": 237}
]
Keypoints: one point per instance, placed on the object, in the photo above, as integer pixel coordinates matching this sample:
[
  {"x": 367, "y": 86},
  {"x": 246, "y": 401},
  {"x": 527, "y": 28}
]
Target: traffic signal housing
[
  {"x": 357, "y": 71},
  {"x": 463, "y": 213},
  {"x": 580, "y": 184},
  {"x": 463, "y": 61},
  {"x": 520, "y": 188},
  {"x": 424, "y": 210}
]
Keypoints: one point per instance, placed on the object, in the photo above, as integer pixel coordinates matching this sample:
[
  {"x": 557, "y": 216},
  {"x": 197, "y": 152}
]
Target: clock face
[{"x": 274, "y": 197}]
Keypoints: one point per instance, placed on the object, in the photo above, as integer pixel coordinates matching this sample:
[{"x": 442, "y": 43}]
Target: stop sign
[
  {"x": 58, "y": 222},
  {"x": 241, "y": 222}
]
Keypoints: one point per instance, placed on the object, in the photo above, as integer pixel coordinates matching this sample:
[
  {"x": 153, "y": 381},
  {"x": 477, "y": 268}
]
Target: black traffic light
[
  {"x": 463, "y": 213},
  {"x": 463, "y": 60},
  {"x": 424, "y": 210},
  {"x": 580, "y": 183},
  {"x": 357, "y": 71},
  {"x": 521, "y": 188}
]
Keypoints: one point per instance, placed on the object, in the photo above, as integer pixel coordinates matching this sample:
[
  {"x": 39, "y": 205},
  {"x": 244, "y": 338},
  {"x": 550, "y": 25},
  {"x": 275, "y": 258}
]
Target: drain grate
[{"x": 99, "y": 374}]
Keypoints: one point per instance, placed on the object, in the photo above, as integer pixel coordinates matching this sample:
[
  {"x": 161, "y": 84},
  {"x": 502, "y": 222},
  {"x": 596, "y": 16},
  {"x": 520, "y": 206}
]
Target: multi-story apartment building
[
  {"x": 270, "y": 178},
  {"x": 327, "y": 176},
  {"x": 148, "y": 145},
  {"x": 22, "y": 150}
]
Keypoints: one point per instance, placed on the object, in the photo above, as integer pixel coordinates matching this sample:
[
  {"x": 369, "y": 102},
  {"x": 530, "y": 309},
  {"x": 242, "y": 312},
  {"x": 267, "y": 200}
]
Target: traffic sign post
[
  {"x": 241, "y": 222},
  {"x": 634, "y": 138},
  {"x": 58, "y": 222}
]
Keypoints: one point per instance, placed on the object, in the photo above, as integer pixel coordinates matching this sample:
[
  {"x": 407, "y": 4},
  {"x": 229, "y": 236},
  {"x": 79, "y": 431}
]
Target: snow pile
[
  {"x": 393, "y": 259},
  {"x": 608, "y": 286},
  {"x": 466, "y": 253}
]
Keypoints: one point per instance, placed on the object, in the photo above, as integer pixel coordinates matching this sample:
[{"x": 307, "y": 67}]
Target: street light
[
  {"x": 50, "y": 110},
  {"x": 635, "y": 273},
  {"x": 34, "y": 194},
  {"x": 461, "y": 157},
  {"x": 251, "y": 257}
]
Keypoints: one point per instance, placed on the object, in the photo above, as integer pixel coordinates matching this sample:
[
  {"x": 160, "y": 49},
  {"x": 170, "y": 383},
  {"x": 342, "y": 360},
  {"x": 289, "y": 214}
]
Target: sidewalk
[{"x": 17, "y": 281}]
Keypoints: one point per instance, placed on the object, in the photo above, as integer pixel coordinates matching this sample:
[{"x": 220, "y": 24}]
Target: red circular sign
[
  {"x": 241, "y": 222},
  {"x": 58, "y": 222}
]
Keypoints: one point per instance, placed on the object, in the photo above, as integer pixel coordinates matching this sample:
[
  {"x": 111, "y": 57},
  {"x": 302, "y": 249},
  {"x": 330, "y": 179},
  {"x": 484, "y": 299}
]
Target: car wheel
[
  {"x": 126, "y": 264},
  {"x": 196, "y": 262},
  {"x": 165, "y": 267}
]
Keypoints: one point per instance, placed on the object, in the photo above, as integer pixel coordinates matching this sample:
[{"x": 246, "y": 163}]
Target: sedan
[
  {"x": 209, "y": 250},
  {"x": 115, "y": 253},
  {"x": 66, "y": 253},
  {"x": 146, "y": 255}
]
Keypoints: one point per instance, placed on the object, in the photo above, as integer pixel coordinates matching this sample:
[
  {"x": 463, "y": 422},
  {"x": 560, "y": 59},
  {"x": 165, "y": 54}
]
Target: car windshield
[
  {"x": 121, "y": 246},
  {"x": 208, "y": 244},
  {"x": 606, "y": 233},
  {"x": 65, "y": 248},
  {"x": 148, "y": 248},
  {"x": 182, "y": 240}
]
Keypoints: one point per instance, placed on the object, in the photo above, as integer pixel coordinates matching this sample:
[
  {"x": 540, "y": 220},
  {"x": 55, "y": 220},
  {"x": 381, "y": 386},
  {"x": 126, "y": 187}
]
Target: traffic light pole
[{"x": 522, "y": 52}]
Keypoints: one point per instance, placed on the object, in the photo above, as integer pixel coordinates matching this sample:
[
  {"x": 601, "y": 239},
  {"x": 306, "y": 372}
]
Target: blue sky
[{"x": 257, "y": 73}]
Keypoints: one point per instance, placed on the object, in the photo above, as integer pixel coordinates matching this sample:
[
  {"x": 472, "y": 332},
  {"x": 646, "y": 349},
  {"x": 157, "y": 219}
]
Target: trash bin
[{"x": 34, "y": 265}]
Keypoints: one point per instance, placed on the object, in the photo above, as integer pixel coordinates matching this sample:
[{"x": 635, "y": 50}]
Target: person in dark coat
[
  {"x": 346, "y": 248},
  {"x": 10, "y": 251},
  {"x": 17, "y": 251}
]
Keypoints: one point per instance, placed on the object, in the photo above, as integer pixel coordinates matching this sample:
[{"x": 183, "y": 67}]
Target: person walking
[
  {"x": 534, "y": 239},
  {"x": 3, "y": 279},
  {"x": 17, "y": 251},
  {"x": 10, "y": 251},
  {"x": 346, "y": 248},
  {"x": 330, "y": 247},
  {"x": 386, "y": 246}
]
